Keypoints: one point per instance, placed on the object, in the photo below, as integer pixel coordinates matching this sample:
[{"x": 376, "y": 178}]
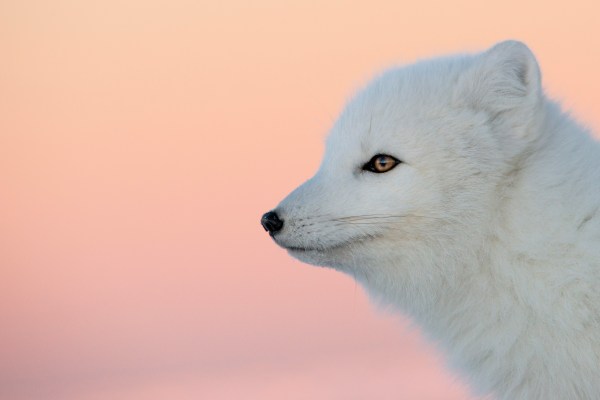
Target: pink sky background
[{"x": 140, "y": 141}]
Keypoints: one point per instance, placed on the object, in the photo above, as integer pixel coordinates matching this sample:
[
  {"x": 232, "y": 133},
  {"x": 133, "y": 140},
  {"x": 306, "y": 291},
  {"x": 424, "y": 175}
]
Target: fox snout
[{"x": 271, "y": 222}]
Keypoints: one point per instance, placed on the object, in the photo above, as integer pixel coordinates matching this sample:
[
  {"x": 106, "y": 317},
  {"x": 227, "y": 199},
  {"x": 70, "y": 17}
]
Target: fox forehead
[{"x": 398, "y": 109}]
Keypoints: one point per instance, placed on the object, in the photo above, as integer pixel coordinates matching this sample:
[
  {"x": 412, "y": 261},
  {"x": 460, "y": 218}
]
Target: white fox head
[
  {"x": 415, "y": 166},
  {"x": 454, "y": 190}
]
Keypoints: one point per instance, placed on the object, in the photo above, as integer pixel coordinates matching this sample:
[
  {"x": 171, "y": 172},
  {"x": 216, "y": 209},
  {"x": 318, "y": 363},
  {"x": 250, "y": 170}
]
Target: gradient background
[{"x": 140, "y": 141}]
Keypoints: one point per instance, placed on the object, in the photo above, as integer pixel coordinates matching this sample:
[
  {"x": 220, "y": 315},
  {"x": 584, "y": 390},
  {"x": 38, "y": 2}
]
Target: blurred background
[{"x": 140, "y": 142}]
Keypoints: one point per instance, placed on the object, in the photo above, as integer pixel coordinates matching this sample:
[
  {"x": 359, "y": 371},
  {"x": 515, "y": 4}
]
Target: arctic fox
[{"x": 456, "y": 191}]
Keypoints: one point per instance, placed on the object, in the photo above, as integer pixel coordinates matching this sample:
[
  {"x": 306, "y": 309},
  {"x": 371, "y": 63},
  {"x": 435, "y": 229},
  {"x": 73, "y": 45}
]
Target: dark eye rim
[{"x": 370, "y": 165}]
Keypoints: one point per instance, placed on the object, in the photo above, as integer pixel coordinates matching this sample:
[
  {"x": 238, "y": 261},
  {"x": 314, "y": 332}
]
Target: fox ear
[{"x": 504, "y": 78}]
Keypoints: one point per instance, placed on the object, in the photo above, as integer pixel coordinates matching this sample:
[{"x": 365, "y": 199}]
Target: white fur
[{"x": 488, "y": 233}]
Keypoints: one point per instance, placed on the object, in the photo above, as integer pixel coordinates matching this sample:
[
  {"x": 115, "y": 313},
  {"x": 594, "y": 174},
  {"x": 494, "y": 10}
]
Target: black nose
[{"x": 271, "y": 222}]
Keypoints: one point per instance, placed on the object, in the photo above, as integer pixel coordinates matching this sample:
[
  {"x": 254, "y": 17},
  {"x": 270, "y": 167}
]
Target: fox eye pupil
[{"x": 381, "y": 163}]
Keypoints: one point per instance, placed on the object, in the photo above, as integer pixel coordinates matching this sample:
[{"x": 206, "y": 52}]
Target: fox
[{"x": 457, "y": 193}]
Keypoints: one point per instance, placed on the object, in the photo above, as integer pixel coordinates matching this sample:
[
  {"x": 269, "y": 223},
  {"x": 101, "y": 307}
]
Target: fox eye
[{"x": 381, "y": 163}]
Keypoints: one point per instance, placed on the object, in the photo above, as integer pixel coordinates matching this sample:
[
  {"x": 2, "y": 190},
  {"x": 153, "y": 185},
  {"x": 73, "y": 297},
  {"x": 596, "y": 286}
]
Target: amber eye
[{"x": 381, "y": 163}]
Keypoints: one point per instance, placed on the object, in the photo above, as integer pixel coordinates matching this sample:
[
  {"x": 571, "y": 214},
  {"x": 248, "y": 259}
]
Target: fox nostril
[{"x": 271, "y": 222}]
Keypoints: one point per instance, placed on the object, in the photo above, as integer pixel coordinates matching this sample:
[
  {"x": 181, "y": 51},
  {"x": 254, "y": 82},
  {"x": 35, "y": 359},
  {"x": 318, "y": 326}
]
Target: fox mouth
[
  {"x": 300, "y": 249},
  {"x": 325, "y": 249},
  {"x": 309, "y": 249}
]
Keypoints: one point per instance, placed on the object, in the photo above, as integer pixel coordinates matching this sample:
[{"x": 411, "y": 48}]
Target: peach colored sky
[{"x": 140, "y": 141}]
